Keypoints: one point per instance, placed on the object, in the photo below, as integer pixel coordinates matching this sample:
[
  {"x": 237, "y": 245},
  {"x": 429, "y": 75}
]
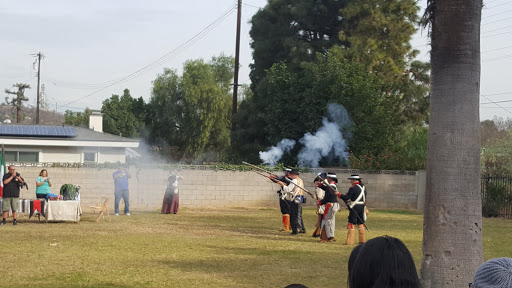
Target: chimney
[{"x": 96, "y": 121}]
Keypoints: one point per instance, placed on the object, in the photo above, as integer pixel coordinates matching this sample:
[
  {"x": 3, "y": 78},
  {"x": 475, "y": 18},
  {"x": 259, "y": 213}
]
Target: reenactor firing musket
[
  {"x": 324, "y": 181},
  {"x": 274, "y": 178}
]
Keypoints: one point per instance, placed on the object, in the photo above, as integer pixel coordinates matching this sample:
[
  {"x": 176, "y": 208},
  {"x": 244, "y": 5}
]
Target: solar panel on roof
[{"x": 37, "y": 131}]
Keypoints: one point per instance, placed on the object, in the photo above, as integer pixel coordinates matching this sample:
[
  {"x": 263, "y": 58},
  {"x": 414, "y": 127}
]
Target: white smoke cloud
[
  {"x": 274, "y": 154},
  {"x": 328, "y": 140}
]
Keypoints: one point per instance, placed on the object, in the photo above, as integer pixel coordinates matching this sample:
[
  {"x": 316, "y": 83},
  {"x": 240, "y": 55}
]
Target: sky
[{"x": 97, "y": 48}]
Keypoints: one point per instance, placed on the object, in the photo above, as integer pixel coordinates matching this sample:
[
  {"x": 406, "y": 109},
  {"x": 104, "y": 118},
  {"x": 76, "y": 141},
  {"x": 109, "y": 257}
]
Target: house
[{"x": 64, "y": 144}]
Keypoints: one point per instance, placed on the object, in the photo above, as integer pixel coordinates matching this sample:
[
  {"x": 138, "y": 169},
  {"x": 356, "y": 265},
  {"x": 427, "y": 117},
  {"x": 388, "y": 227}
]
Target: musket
[
  {"x": 274, "y": 180},
  {"x": 346, "y": 204},
  {"x": 259, "y": 168}
]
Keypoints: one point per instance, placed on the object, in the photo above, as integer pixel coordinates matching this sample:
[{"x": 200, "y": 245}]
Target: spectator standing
[
  {"x": 121, "y": 177},
  {"x": 43, "y": 184},
  {"x": 12, "y": 182}
]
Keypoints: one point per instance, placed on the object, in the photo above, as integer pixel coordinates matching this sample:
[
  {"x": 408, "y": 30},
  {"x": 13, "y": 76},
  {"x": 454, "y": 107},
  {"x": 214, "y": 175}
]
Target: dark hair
[
  {"x": 353, "y": 257},
  {"x": 41, "y": 173},
  {"x": 296, "y": 286},
  {"x": 382, "y": 262}
]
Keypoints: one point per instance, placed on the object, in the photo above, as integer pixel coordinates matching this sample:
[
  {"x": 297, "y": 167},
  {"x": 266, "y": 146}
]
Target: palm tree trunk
[{"x": 452, "y": 231}]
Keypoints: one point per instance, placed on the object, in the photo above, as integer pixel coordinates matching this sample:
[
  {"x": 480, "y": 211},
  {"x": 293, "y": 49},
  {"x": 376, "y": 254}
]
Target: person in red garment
[{"x": 171, "y": 202}]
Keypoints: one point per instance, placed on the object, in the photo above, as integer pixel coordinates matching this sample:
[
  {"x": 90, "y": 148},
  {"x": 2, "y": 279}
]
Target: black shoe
[
  {"x": 302, "y": 231},
  {"x": 14, "y": 222},
  {"x": 294, "y": 233},
  {"x": 2, "y": 223}
]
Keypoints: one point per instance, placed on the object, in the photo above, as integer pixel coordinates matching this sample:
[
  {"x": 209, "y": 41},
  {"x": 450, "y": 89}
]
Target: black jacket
[
  {"x": 353, "y": 193},
  {"x": 329, "y": 197}
]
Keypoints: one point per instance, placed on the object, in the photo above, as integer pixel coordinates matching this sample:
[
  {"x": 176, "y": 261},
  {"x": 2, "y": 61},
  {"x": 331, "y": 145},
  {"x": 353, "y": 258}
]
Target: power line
[
  {"x": 495, "y": 94},
  {"x": 498, "y": 104},
  {"x": 494, "y": 102},
  {"x": 497, "y": 58},
  {"x": 170, "y": 55},
  {"x": 492, "y": 50},
  {"x": 499, "y": 13},
  {"x": 497, "y": 5},
  {"x": 253, "y": 6},
  {"x": 496, "y": 29},
  {"x": 492, "y": 1},
  {"x": 162, "y": 59},
  {"x": 486, "y": 36},
  {"x": 487, "y": 23}
]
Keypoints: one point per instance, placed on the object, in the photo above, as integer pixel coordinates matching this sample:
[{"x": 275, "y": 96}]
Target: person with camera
[
  {"x": 43, "y": 184},
  {"x": 121, "y": 189},
  {"x": 12, "y": 183}
]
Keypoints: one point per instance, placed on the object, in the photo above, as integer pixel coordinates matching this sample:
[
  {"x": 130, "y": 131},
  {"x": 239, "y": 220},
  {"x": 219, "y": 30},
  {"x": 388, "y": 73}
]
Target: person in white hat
[
  {"x": 357, "y": 195},
  {"x": 330, "y": 206}
]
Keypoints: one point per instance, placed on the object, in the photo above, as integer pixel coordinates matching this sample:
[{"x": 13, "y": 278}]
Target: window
[
  {"x": 11, "y": 156},
  {"x": 28, "y": 156},
  {"x": 89, "y": 157},
  {"x": 21, "y": 156}
]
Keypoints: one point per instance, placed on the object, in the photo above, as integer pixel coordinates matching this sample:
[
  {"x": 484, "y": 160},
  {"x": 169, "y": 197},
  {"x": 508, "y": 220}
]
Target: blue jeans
[{"x": 125, "y": 194}]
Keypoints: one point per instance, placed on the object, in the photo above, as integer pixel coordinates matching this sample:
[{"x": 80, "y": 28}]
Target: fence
[
  {"x": 497, "y": 196},
  {"x": 204, "y": 187}
]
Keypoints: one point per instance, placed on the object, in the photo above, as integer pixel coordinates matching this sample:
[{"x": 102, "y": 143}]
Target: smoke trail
[
  {"x": 274, "y": 154},
  {"x": 328, "y": 140}
]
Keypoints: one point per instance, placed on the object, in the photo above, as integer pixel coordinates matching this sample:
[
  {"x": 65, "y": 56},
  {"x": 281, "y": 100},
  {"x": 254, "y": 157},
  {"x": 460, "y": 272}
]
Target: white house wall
[{"x": 73, "y": 154}]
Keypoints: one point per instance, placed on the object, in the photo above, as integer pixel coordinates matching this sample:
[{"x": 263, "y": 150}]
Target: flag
[{"x": 2, "y": 171}]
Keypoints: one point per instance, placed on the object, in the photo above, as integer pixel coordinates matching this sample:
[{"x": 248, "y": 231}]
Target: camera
[{"x": 19, "y": 183}]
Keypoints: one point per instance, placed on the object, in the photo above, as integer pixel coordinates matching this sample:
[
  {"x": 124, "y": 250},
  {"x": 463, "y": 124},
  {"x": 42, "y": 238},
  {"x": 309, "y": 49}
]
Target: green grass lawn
[{"x": 199, "y": 248}]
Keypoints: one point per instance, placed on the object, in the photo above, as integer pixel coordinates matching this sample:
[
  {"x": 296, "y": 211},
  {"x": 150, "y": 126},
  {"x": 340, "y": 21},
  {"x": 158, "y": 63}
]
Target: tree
[
  {"x": 191, "y": 113},
  {"x": 452, "y": 229},
  {"x": 324, "y": 81},
  {"x": 79, "y": 119},
  {"x": 43, "y": 98},
  {"x": 18, "y": 100},
  {"x": 377, "y": 34},
  {"x": 118, "y": 115},
  {"x": 293, "y": 32}
]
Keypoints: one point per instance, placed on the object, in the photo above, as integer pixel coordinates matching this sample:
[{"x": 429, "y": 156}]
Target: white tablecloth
[{"x": 63, "y": 211}]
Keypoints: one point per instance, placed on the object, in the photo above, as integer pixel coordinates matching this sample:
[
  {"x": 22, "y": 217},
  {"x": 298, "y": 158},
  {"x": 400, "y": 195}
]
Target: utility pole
[
  {"x": 39, "y": 56},
  {"x": 237, "y": 63}
]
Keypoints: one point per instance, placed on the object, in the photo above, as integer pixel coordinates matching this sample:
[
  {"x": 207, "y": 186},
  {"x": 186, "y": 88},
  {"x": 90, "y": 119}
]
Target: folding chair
[{"x": 102, "y": 207}]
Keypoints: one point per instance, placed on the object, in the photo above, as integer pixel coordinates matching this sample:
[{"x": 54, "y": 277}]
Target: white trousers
[{"x": 329, "y": 220}]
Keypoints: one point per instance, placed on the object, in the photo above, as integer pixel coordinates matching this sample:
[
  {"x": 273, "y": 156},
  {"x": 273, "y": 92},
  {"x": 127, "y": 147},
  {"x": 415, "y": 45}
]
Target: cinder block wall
[{"x": 208, "y": 188}]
